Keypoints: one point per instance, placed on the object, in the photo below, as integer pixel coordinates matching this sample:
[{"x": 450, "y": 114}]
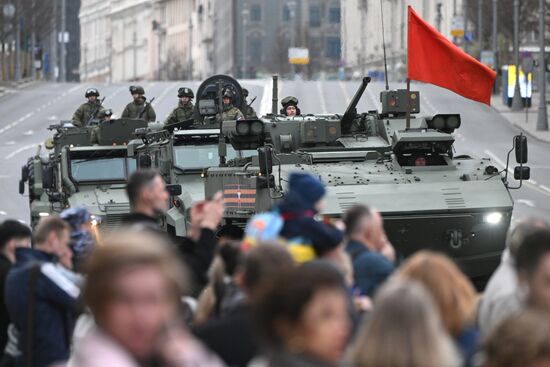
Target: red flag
[{"x": 432, "y": 58}]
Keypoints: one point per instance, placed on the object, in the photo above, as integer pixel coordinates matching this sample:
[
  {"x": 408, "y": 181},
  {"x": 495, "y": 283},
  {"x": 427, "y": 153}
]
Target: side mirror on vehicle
[
  {"x": 522, "y": 173},
  {"x": 520, "y": 146},
  {"x": 21, "y": 187},
  {"x": 265, "y": 160},
  {"x": 25, "y": 173},
  {"x": 174, "y": 190}
]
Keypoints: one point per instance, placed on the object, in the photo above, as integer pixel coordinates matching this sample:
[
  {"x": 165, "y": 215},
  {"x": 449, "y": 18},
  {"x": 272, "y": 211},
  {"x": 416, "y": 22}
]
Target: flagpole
[{"x": 408, "y": 118}]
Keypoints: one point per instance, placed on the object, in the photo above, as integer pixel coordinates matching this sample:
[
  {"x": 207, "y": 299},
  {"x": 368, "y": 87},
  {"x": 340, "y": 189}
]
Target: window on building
[
  {"x": 334, "y": 15},
  {"x": 333, "y": 47},
  {"x": 255, "y": 13},
  {"x": 286, "y": 13},
  {"x": 315, "y": 16},
  {"x": 255, "y": 49}
]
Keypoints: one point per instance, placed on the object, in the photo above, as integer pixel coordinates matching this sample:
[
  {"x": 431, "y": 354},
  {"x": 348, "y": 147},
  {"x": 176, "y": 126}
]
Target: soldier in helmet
[
  {"x": 184, "y": 111},
  {"x": 230, "y": 112},
  {"x": 139, "y": 106},
  {"x": 83, "y": 114},
  {"x": 248, "y": 111},
  {"x": 290, "y": 106}
]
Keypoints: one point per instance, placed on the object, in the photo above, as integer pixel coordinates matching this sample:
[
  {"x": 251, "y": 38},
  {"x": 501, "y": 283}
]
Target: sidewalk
[{"x": 522, "y": 120}]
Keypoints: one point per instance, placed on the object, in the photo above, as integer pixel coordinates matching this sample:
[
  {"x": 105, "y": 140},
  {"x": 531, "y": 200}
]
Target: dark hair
[
  {"x": 48, "y": 225},
  {"x": 353, "y": 217},
  {"x": 290, "y": 293},
  {"x": 533, "y": 247},
  {"x": 10, "y": 229},
  {"x": 231, "y": 255},
  {"x": 262, "y": 264},
  {"x": 137, "y": 181}
]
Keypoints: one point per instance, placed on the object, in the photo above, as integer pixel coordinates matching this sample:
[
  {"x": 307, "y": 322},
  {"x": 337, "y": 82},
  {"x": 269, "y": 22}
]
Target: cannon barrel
[{"x": 350, "y": 113}]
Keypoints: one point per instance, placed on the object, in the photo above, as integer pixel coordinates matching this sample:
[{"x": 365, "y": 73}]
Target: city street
[{"x": 26, "y": 113}]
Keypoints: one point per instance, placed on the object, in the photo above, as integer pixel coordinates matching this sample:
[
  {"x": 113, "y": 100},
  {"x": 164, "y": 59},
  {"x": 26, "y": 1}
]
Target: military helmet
[
  {"x": 91, "y": 92},
  {"x": 289, "y": 101},
  {"x": 185, "y": 92},
  {"x": 245, "y": 92},
  {"x": 136, "y": 89},
  {"x": 228, "y": 94}
]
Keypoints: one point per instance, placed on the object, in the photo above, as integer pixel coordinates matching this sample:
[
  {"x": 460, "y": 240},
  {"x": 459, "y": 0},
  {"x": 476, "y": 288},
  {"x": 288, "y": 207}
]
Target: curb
[{"x": 525, "y": 131}]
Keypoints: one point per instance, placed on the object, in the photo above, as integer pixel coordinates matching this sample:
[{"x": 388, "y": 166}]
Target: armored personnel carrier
[{"x": 401, "y": 164}]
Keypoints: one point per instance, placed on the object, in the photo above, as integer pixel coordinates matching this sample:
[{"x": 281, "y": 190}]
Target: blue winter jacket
[
  {"x": 56, "y": 306},
  {"x": 370, "y": 269}
]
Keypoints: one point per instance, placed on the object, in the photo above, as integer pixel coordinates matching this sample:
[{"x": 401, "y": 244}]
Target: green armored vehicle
[{"x": 391, "y": 160}]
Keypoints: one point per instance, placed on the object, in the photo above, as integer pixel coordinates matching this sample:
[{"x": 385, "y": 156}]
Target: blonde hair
[
  {"x": 451, "y": 291},
  {"x": 122, "y": 250},
  {"x": 403, "y": 331}
]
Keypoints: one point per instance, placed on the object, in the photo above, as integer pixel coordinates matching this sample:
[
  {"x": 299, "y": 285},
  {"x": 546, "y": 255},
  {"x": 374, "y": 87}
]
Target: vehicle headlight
[
  {"x": 43, "y": 214},
  {"x": 493, "y": 218}
]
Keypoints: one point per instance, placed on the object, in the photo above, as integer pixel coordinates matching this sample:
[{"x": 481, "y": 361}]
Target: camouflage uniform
[
  {"x": 133, "y": 109},
  {"x": 181, "y": 113},
  {"x": 230, "y": 112},
  {"x": 84, "y": 112}
]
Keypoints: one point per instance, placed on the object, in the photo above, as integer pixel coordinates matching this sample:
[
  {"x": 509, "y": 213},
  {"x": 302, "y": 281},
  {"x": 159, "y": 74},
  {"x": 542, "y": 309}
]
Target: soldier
[
  {"x": 230, "y": 112},
  {"x": 248, "y": 111},
  {"x": 139, "y": 106},
  {"x": 184, "y": 111},
  {"x": 83, "y": 114},
  {"x": 290, "y": 106}
]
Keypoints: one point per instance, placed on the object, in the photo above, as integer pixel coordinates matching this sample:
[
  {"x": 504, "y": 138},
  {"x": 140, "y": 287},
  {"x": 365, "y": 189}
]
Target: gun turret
[{"x": 351, "y": 111}]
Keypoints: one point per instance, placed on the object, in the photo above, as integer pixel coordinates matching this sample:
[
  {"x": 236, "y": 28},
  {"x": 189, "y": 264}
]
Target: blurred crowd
[{"x": 289, "y": 289}]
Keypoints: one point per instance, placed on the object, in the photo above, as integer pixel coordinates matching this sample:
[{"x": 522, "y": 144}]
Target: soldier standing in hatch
[
  {"x": 290, "y": 106},
  {"x": 82, "y": 115},
  {"x": 139, "y": 106},
  {"x": 184, "y": 111},
  {"x": 230, "y": 112},
  {"x": 248, "y": 111}
]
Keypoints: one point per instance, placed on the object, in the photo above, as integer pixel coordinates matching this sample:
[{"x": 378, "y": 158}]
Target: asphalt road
[{"x": 26, "y": 113}]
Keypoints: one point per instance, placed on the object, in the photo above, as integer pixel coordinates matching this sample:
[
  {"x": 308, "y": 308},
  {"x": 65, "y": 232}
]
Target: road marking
[
  {"x": 20, "y": 150},
  {"x": 322, "y": 101},
  {"x": 545, "y": 188},
  {"x": 529, "y": 203},
  {"x": 533, "y": 182},
  {"x": 162, "y": 95},
  {"x": 73, "y": 89},
  {"x": 3, "y": 212},
  {"x": 52, "y": 118},
  {"x": 28, "y": 133},
  {"x": 345, "y": 92},
  {"x": 15, "y": 123},
  {"x": 265, "y": 105},
  {"x": 11, "y": 142}
]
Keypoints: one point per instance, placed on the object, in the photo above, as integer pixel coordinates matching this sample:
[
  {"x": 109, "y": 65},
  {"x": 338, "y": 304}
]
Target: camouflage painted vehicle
[{"x": 429, "y": 197}]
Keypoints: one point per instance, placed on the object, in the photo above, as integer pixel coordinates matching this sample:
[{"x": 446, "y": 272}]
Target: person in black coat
[
  {"x": 13, "y": 234},
  {"x": 148, "y": 197}
]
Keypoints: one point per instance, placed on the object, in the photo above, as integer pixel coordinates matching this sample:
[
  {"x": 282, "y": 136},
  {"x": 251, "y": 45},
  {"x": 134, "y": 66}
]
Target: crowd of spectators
[{"x": 288, "y": 290}]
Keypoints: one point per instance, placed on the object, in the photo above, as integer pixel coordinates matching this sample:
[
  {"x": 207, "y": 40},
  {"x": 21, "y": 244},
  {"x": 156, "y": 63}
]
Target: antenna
[{"x": 384, "y": 46}]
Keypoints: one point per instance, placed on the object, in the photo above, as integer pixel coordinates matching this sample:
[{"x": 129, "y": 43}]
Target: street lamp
[
  {"x": 542, "y": 117},
  {"x": 244, "y": 13},
  {"x": 517, "y": 103},
  {"x": 292, "y": 11}
]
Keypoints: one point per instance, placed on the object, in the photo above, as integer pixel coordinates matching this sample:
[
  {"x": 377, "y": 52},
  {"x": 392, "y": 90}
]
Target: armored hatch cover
[{"x": 118, "y": 131}]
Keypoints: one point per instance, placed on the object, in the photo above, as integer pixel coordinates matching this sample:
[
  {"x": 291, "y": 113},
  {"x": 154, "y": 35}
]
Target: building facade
[
  {"x": 362, "y": 47},
  {"x": 265, "y": 29},
  {"x": 95, "y": 43}
]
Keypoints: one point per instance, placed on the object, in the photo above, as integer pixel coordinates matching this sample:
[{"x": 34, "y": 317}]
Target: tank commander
[
  {"x": 139, "y": 108},
  {"x": 290, "y": 106},
  {"x": 248, "y": 110},
  {"x": 230, "y": 112},
  {"x": 184, "y": 110},
  {"x": 86, "y": 111}
]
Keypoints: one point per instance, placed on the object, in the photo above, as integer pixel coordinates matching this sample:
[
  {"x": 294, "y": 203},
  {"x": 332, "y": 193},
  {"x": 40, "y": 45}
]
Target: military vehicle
[
  {"x": 392, "y": 160},
  {"x": 90, "y": 165}
]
